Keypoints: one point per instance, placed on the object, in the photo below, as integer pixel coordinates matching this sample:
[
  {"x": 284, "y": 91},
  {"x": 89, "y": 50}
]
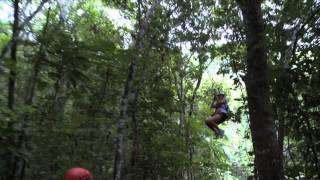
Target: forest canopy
[{"x": 123, "y": 89}]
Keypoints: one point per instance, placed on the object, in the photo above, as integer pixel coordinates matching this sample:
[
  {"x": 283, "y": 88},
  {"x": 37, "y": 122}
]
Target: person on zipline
[{"x": 220, "y": 110}]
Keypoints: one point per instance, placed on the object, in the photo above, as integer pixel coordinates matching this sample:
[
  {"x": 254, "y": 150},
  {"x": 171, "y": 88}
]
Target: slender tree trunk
[
  {"x": 135, "y": 142},
  {"x": 13, "y": 55},
  {"x": 122, "y": 120},
  {"x": 119, "y": 159},
  {"x": 135, "y": 126},
  {"x": 281, "y": 134},
  {"x": 31, "y": 87},
  {"x": 188, "y": 128},
  {"x": 19, "y": 164},
  {"x": 28, "y": 101},
  {"x": 262, "y": 125},
  {"x": 182, "y": 104},
  {"x": 281, "y": 109},
  {"x": 12, "y": 161},
  {"x": 179, "y": 84},
  {"x": 183, "y": 123},
  {"x": 118, "y": 163},
  {"x": 135, "y": 133},
  {"x": 313, "y": 146}
]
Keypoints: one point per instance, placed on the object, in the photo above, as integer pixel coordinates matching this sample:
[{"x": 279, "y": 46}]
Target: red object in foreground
[{"x": 77, "y": 174}]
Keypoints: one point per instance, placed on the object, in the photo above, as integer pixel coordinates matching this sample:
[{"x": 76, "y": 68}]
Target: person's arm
[{"x": 213, "y": 106}]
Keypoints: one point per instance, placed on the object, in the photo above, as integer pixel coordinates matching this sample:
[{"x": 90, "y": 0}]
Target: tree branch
[
  {"x": 299, "y": 32},
  {"x": 6, "y": 50}
]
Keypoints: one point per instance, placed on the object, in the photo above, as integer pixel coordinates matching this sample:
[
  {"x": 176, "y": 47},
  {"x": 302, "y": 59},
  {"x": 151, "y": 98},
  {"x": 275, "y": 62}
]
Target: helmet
[
  {"x": 220, "y": 93},
  {"x": 77, "y": 174}
]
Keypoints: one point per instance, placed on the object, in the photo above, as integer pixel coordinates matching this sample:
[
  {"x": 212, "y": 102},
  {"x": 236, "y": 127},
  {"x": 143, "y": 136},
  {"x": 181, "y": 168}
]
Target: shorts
[{"x": 223, "y": 119}]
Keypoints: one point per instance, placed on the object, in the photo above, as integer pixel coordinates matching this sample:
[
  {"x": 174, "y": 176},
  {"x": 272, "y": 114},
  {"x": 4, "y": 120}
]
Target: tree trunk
[
  {"x": 189, "y": 133},
  {"x": 135, "y": 126},
  {"x": 188, "y": 130},
  {"x": 30, "y": 93},
  {"x": 135, "y": 141},
  {"x": 283, "y": 89},
  {"x": 118, "y": 162},
  {"x": 12, "y": 159},
  {"x": 262, "y": 125},
  {"x": 28, "y": 101},
  {"x": 313, "y": 147},
  {"x": 13, "y": 55}
]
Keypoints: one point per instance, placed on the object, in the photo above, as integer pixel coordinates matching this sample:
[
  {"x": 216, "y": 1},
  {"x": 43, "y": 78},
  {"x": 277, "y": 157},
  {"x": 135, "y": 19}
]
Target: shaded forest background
[{"x": 123, "y": 87}]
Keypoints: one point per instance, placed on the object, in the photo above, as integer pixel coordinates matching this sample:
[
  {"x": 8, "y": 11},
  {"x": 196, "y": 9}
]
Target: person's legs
[{"x": 213, "y": 121}]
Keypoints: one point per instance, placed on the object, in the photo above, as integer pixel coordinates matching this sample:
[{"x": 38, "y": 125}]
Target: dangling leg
[{"x": 212, "y": 123}]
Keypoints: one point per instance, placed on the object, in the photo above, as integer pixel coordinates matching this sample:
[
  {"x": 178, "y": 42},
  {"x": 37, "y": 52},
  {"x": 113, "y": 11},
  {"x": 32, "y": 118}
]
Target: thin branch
[
  {"x": 6, "y": 50},
  {"x": 299, "y": 32}
]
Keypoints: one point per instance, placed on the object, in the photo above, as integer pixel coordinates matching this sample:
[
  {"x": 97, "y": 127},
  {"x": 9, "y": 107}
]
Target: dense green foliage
[{"x": 71, "y": 71}]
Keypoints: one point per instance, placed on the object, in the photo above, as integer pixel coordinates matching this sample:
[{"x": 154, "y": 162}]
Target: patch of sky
[{"x": 6, "y": 11}]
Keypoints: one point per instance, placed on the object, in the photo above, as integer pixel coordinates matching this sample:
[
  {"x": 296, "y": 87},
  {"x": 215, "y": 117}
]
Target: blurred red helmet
[{"x": 77, "y": 174}]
